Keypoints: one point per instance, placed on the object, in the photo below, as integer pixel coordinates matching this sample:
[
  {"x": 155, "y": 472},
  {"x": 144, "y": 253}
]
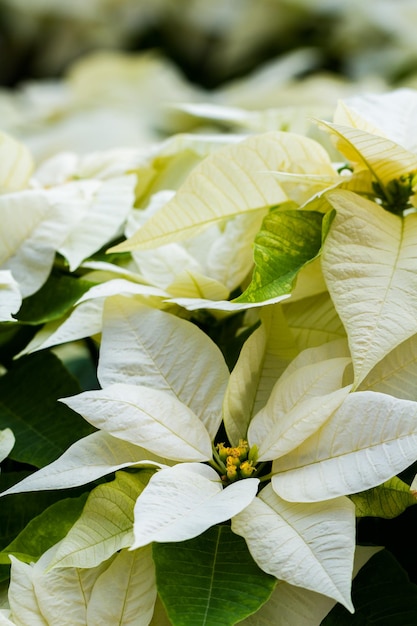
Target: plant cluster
[{"x": 229, "y": 324}]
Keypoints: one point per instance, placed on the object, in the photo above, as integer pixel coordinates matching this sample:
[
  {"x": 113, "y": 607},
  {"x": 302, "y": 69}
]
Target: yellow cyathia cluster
[{"x": 239, "y": 461}]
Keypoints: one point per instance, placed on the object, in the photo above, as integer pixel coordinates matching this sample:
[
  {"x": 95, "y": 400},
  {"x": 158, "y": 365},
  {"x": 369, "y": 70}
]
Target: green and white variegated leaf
[
  {"x": 390, "y": 115},
  {"x": 125, "y": 592},
  {"x": 313, "y": 321},
  {"x": 310, "y": 281},
  {"x": 368, "y": 440},
  {"x": 16, "y": 164},
  {"x": 234, "y": 180},
  {"x": 7, "y": 441},
  {"x": 34, "y": 224},
  {"x": 385, "y": 159},
  {"x": 105, "y": 207},
  {"x": 22, "y": 597},
  {"x": 300, "y": 403},
  {"x": 86, "y": 460},
  {"x": 183, "y": 501},
  {"x": 307, "y": 545},
  {"x": 396, "y": 374},
  {"x": 105, "y": 525},
  {"x": 11, "y": 298},
  {"x": 86, "y": 319},
  {"x": 263, "y": 358},
  {"x": 145, "y": 346},
  {"x": 369, "y": 262},
  {"x": 153, "y": 419}
]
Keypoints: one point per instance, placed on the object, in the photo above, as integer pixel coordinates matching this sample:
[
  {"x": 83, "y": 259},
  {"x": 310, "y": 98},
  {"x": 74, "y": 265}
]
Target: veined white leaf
[
  {"x": 145, "y": 346},
  {"x": 105, "y": 209},
  {"x": 189, "y": 286},
  {"x": 86, "y": 460},
  {"x": 182, "y": 501},
  {"x": 385, "y": 159},
  {"x": 34, "y": 224},
  {"x": 106, "y": 524},
  {"x": 193, "y": 304},
  {"x": 390, "y": 114},
  {"x": 22, "y": 598},
  {"x": 146, "y": 417},
  {"x": 86, "y": 319},
  {"x": 63, "y": 594},
  {"x": 369, "y": 262},
  {"x": 308, "y": 545},
  {"x": 313, "y": 321},
  {"x": 368, "y": 440},
  {"x": 227, "y": 183},
  {"x": 7, "y": 442},
  {"x": 125, "y": 592},
  {"x": 16, "y": 164},
  {"x": 263, "y": 358},
  {"x": 396, "y": 374},
  {"x": 337, "y": 349},
  {"x": 299, "y": 405},
  {"x": 11, "y": 298},
  {"x": 290, "y": 605}
]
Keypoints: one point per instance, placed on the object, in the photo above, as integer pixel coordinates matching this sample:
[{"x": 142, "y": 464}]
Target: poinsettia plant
[{"x": 210, "y": 355}]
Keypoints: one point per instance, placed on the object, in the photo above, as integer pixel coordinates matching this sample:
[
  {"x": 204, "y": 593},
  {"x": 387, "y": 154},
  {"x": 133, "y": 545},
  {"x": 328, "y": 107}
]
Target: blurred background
[{"x": 90, "y": 74}]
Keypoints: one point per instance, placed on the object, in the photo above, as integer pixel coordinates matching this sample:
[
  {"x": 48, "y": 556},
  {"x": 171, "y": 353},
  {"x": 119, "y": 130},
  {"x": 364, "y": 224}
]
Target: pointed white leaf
[
  {"x": 85, "y": 320},
  {"x": 391, "y": 115},
  {"x": 22, "y": 598},
  {"x": 369, "y": 261},
  {"x": 227, "y": 183},
  {"x": 190, "y": 285},
  {"x": 263, "y": 358},
  {"x": 16, "y": 164},
  {"x": 290, "y": 605},
  {"x": 146, "y": 417},
  {"x": 7, "y": 442},
  {"x": 144, "y": 346},
  {"x": 126, "y": 592},
  {"x": 86, "y": 460},
  {"x": 368, "y": 440},
  {"x": 300, "y": 403},
  {"x": 313, "y": 321},
  {"x": 63, "y": 594},
  {"x": 11, "y": 299},
  {"x": 396, "y": 374},
  {"x": 337, "y": 349},
  {"x": 311, "y": 546},
  {"x": 183, "y": 501},
  {"x": 193, "y": 304},
  {"x": 384, "y": 158},
  {"x": 106, "y": 206},
  {"x": 34, "y": 223}
]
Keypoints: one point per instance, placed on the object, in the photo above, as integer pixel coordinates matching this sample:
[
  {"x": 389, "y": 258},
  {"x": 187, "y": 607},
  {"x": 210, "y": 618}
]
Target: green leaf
[
  {"x": 45, "y": 530},
  {"x": 211, "y": 580},
  {"x": 387, "y": 500},
  {"x": 287, "y": 241},
  {"x": 53, "y": 300},
  {"x": 43, "y": 428},
  {"x": 382, "y": 594}
]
